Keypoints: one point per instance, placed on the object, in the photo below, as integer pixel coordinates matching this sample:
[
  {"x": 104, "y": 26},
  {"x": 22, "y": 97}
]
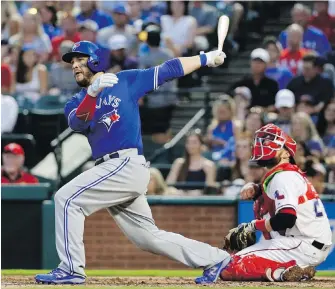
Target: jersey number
[{"x": 318, "y": 214}]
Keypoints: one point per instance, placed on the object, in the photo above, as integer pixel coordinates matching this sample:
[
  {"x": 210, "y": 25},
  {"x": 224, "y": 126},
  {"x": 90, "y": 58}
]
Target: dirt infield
[{"x": 101, "y": 282}]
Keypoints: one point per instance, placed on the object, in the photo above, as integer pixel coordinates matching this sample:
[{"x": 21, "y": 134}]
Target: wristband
[
  {"x": 260, "y": 225},
  {"x": 203, "y": 59}
]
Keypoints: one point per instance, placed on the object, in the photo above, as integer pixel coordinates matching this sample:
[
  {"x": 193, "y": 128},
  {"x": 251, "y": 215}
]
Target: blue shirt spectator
[
  {"x": 89, "y": 11},
  {"x": 281, "y": 74},
  {"x": 313, "y": 39}
]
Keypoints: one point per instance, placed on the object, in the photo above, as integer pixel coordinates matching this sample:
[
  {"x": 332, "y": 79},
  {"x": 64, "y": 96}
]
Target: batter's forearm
[
  {"x": 86, "y": 109},
  {"x": 190, "y": 64}
]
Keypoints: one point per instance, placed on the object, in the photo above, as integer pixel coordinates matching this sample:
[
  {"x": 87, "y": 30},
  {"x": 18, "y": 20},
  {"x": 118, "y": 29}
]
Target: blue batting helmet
[{"x": 89, "y": 49}]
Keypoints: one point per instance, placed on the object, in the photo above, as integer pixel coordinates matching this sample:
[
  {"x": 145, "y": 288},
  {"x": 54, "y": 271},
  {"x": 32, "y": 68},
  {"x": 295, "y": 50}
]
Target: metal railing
[{"x": 179, "y": 135}]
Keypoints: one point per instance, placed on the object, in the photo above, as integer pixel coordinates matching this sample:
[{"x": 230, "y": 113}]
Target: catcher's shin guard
[{"x": 255, "y": 268}]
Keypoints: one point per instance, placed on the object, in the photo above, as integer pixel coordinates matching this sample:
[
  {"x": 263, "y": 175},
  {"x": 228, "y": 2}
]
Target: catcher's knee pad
[{"x": 252, "y": 267}]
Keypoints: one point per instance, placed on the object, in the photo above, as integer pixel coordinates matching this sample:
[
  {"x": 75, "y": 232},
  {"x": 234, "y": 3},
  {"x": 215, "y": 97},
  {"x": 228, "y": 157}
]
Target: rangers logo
[
  {"x": 109, "y": 118},
  {"x": 278, "y": 196},
  {"x": 75, "y": 46}
]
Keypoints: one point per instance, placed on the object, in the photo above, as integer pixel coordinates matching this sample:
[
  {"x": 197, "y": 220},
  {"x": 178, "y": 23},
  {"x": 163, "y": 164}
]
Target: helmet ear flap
[{"x": 93, "y": 63}]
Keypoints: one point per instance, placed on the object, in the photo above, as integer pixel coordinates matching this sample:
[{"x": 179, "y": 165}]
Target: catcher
[{"x": 289, "y": 213}]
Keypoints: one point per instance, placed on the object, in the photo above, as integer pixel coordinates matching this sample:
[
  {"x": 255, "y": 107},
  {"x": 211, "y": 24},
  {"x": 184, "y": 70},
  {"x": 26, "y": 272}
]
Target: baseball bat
[{"x": 223, "y": 27}]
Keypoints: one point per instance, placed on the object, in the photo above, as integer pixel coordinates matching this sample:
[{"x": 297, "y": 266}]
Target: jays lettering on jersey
[{"x": 116, "y": 122}]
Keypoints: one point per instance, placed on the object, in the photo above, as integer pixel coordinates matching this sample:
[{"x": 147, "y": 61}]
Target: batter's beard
[{"x": 87, "y": 79}]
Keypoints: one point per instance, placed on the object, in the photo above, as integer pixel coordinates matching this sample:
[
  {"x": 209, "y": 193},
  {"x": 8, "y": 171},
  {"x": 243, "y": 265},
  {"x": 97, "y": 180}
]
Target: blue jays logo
[
  {"x": 75, "y": 46},
  {"x": 109, "y": 118}
]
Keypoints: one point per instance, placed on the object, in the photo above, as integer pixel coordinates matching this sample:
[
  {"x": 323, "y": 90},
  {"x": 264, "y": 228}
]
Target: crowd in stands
[{"x": 291, "y": 80}]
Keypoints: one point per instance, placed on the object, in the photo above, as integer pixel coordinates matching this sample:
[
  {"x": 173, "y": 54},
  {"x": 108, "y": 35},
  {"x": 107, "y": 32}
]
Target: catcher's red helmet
[{"x": 268, "y": 140}]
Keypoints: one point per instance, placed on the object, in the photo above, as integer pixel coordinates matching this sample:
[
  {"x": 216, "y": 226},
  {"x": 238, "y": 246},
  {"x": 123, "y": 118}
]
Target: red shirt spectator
[
  {"x": 292, "y": 59},
  {"x": 323, "y": 20},
  {"x": 6, "y": 78},
  {"x": 12, "y": 171},
  {"x": 69, "y": 26}
]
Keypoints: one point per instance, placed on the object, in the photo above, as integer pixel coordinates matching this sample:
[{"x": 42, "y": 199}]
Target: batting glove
[
  {"x": 105, "y": 80},
  {"x": 247, "y": 227},
  {"x": 214, "y": 58}
]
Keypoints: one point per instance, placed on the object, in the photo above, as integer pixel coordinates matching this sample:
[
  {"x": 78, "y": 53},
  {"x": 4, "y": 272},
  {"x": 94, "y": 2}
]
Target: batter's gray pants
[{"x": 120, "y": 185}]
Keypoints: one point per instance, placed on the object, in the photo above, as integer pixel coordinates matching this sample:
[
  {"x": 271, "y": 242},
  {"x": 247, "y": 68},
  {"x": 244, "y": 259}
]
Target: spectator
[
  {"x": 61, "y": 72},
  {"x": 32, "y": 34},
  {"x": 89, "y": 11},
  {"x": 242, "y": 156},
  {"x": 312, "y": 83},
  {"x": 207, "y": 18},
  {"x": 157, "y": 185},
  {"x": 326, "y": 124},
  {"x": 323, "y": 21},
  {"x": 178, "y": 28},
  {"x": 303, "y": 130},
  {"x": 316, "y": 174},
  {"x": 223, "y": 126},
  {"x": 242, "y": 97},
  {"x": 306, "y": 105},
  {"x": 284, "y": 104},
  {"x": 49, "y": 19},
  {"x": 9, "y": 113},
  {"x": 302, "y": 154},
  {"x": 119, "y": 60},
  {"x": 120, "y": 26},
  {"x": 69, "y": 27},
  {"x": 31, "y": 77},
  {"x": 88, "y": 30},
  {"x": 254, "y": 120},
  {"x": 11, "y": 20},
  {"x": 160, "y": 104},
  {"x": 6, "y": 79},
  {"x": 274, "y": 71},
  {"x": 135, "y": 15},
  {"x": 263, "y": 89},
  {"x": 291, "y": 57},
  {"x": 12, "y": 171},
  {"x": 193, "y": 167},
  {"x": 313, "y": 38}
]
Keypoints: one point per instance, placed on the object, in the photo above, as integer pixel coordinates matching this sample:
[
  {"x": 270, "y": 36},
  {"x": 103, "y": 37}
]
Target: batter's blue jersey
[{"x": 116, "y": 123}]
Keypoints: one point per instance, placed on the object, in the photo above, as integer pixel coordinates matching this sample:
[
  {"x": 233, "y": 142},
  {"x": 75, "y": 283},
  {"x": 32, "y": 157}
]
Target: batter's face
[{"x": 81, "y": 72}]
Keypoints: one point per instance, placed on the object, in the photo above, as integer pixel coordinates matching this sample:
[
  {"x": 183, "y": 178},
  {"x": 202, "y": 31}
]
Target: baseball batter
[
  {"x": 106, "y": 111},
  {"x": 296, "y": 230}
]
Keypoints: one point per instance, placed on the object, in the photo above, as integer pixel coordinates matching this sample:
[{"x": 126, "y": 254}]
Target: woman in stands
[
  {"x": 254, "y": 120},
  {"x": 178, "y": 28},
  {"x": 242, "y": 156},
  {"x": 304, "y": 130},
  {"x": 326, "y": 125},
  {"x": 31, "y": 77},
  {"x": 32, "y": 34},
  {"x": 193, "y": 167},
  {"x": 223, "y": 125}
]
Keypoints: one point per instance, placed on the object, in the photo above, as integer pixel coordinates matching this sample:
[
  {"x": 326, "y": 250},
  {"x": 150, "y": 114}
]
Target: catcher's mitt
[{"x": 238, "y": 239}]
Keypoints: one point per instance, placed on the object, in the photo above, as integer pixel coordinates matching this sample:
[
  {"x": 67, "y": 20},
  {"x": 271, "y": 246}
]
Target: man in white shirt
[{"x": 9, "y": 113}]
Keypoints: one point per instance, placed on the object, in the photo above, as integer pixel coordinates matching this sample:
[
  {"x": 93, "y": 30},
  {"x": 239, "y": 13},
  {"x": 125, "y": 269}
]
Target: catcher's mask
[{"x": 268, "y": 140}]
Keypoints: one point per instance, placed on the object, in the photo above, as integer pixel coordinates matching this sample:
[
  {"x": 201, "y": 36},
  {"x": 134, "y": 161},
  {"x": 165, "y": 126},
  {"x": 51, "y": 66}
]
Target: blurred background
[{"x": 197, "y": 131}]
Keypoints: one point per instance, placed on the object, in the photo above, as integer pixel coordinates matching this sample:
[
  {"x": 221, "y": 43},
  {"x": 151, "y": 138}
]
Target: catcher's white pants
[
  {"x": 284, "y": 249},
  {"x": 120, "y": 185}
]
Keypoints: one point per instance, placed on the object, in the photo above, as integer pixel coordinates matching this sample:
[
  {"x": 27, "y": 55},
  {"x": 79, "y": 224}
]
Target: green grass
[{"x": 136, "y": 273}]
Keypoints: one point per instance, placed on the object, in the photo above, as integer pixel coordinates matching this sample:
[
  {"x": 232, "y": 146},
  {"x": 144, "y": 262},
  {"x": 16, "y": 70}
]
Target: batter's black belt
[{"x": 111, "y": 156}]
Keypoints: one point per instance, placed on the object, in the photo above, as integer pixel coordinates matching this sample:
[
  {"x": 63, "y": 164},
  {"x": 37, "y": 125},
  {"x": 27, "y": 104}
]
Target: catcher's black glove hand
[{"x": 240, "y": 237}]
